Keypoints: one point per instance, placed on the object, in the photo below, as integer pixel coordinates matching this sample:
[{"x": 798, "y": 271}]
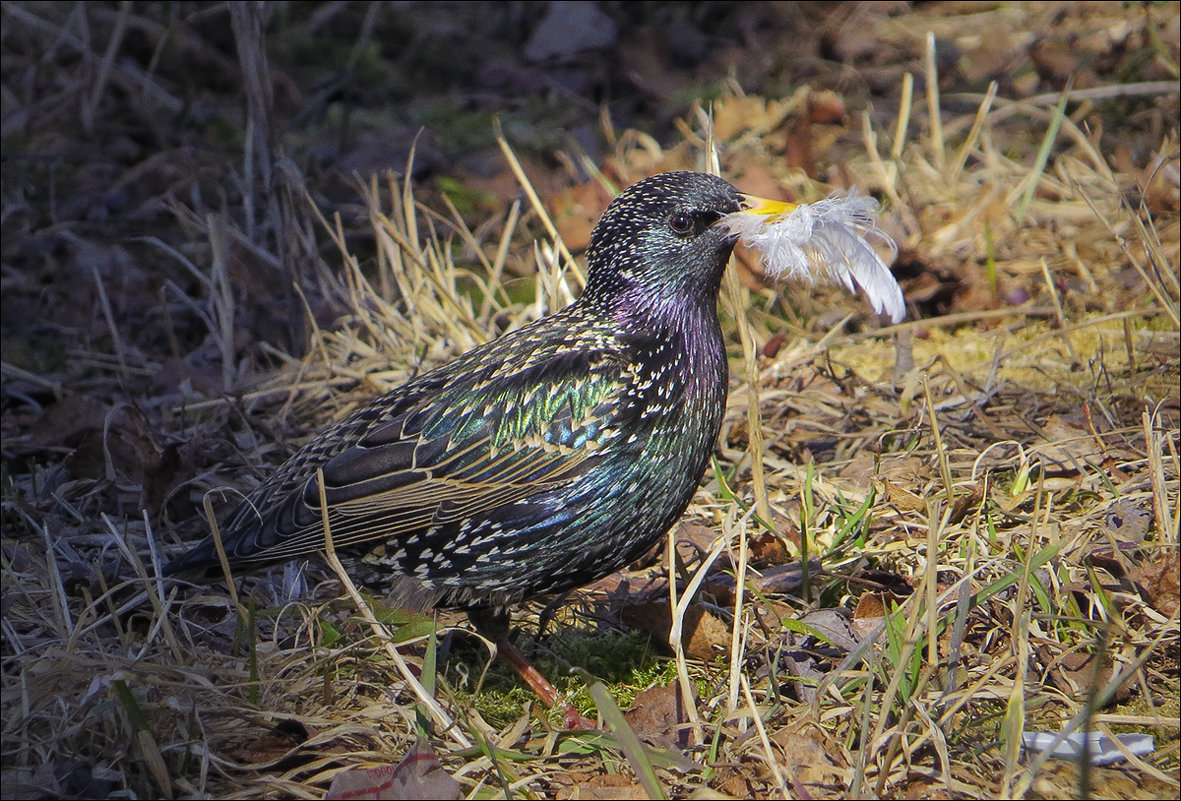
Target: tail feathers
[{"x": 200, "y": 557}]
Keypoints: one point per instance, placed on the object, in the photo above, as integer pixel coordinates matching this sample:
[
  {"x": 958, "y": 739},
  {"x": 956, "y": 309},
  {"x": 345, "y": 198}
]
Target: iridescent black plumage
[{"x": 540, "y": 461}]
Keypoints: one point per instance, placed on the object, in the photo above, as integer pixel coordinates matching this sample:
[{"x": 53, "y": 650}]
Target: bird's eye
[{"x": 681, "y": 224}]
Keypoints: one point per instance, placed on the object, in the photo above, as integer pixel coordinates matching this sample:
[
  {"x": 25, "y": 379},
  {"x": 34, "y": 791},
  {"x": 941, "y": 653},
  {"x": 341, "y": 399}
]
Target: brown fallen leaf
[
  {"x": 1159, "y": 584},
  {"x": 694, "y": 541},
  {"x": 703, "y": 635},
  {"x": 812, "y": 756},
  {"x": 283, "y": 737},
  {"x": 658, "y": 715},
  {"x": 740, "y": 781},
  {"x": 902, "y": 498},
  {"x": 767, "y": 549},
  {"x": 419, "y": 775},
  {"x": 773, "y": 580},
  {"x": 870, "y": 614},
  {"x": 1128, "y": 520},
  {"x": 1074, "y": 672},
  {"x": 609, "y": 787},
  {"x": 809, "y": 657}
]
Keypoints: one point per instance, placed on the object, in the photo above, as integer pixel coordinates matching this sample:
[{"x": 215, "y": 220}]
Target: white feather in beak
[{"x": 832, "y": 238}]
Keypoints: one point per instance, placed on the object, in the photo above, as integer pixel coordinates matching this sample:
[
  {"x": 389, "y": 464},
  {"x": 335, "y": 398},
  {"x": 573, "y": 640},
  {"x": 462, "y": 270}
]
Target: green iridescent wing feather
[{"x": 448, "y": 447}]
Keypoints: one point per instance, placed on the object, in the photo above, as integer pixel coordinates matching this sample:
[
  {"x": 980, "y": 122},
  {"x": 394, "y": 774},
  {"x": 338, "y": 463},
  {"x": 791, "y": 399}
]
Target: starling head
[{"x": 657, "y": 241}]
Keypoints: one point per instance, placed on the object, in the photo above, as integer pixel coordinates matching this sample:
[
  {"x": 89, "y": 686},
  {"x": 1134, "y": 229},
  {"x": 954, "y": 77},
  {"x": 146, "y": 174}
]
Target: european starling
[{"x": 543, "y": 460}]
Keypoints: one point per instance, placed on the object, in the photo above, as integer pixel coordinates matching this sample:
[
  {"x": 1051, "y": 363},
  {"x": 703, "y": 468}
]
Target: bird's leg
[{"x": 493, "y": 624}]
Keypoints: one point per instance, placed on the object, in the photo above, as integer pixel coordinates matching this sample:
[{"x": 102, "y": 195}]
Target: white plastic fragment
[
  {"x": 1102, "y": 750},
  {"x": 833, "y": 238}
]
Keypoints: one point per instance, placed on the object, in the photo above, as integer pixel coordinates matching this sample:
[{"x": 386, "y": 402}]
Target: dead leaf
[
  {"x": 694, "y": 542},
  {"x": 812, "y": 757},
  {"x": 833, "y": 626},
  {"x": 704, "y": 636},
  {"x": 606, "y": 786},
  {"x": 1128, "y": 521},
  {"x": 903, "y": 470},
  {"x": 966, "y": 503},
  {"x": 737, "y": 114},
  {"x": 1159, "y": 584},
  {"x": 1076, "y": 671},
  {"x": 766, "y": 549},
  {"x": 902, "y": 498},
  {"x": 810, "y": 657},
  {"x": 283, "y": 737},
  {"x": 419, "y": 775},
  {"x": 67, "y": 420},
  {"x": 773, "y": 580},
  {"x": 870, "y": 615},
  {"x": 658, "y": 715},
  {"x": 610, "y": 787}
]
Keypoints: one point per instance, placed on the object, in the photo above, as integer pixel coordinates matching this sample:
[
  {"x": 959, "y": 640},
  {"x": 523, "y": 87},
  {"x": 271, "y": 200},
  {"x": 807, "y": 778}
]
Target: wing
[{"x": 456, "y": 444}]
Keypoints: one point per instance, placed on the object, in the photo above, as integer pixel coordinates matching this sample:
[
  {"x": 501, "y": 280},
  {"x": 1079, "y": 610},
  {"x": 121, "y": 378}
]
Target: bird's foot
[
  {"x": 573, "y": 719},
  {"x": 576, "y": 721}
]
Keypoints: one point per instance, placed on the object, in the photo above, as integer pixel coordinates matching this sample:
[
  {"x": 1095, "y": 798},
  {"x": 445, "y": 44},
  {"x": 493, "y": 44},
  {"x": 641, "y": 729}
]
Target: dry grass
[{"x": 991, "y": 495}]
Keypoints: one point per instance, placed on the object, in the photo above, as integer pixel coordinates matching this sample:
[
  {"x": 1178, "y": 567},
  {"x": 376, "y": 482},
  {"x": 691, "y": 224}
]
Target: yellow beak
[{"x": 766, "y": 208}]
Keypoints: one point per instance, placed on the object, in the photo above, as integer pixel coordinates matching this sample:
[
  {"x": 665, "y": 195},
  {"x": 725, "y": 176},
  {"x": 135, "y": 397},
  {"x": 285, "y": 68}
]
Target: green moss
[{"x": 627, "y": 662}]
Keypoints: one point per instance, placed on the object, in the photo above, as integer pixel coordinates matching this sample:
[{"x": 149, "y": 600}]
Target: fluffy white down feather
[{"x": 832, "y": 238}]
